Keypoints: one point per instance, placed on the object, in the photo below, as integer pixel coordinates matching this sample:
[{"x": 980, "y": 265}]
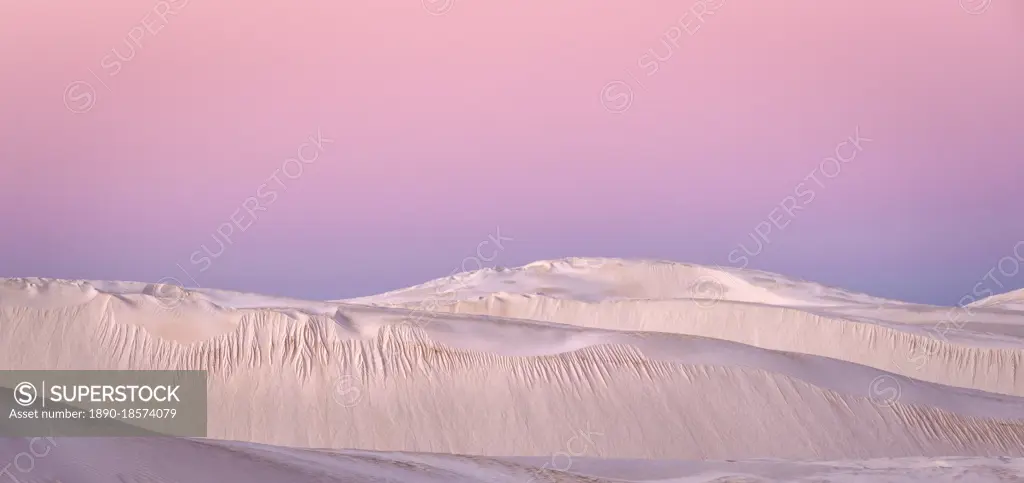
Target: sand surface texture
[{"x": 565, "y": 370}]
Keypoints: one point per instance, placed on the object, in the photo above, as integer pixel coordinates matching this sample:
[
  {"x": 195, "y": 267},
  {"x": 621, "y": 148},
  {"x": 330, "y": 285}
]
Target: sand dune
[
  {"x": 979, "y": 349},
  {"x": 596, "y": 279},
  {"x": 1008, "y": 301},
  {"x": 981, "y": 360},
  {"x": 156, "y": 460},
  {"x": 587, "y": 358}
]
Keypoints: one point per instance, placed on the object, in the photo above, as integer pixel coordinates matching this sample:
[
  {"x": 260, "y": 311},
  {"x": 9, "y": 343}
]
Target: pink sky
[{"x": 490, "y": 114}]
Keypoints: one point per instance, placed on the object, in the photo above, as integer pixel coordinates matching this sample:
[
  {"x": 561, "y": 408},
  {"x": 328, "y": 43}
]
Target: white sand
[
  {"x": 1011, "y": 301},
  {"x": 582, "y": 363}
]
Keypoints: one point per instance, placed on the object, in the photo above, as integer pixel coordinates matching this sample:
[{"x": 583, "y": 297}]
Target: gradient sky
[{"x": 495, "y": 114}]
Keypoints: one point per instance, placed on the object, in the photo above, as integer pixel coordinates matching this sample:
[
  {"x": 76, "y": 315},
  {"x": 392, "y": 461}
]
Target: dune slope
[
  {"x": 606, "y": 359},
  {"x": 157, "y": 460},
  {"x": 964, "y": 347},
  {"x": 364, "y": 378}
]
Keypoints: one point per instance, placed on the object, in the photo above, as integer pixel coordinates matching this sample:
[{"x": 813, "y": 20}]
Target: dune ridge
[
  {"x": 1013, "y": 300},
  {"x": 993, "y": 364},
  {"x": 411, "y": 385},
  {"x": 786, "y": 369}
]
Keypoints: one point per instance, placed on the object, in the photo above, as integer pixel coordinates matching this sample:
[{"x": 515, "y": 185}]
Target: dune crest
[
  {"x": 598, "y": 279},
  {"x": 1010, "y": 301}
]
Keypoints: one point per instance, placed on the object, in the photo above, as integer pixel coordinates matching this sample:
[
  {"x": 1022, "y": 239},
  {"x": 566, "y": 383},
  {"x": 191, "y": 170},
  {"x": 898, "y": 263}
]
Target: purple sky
[{"x": 132, "y": 132}]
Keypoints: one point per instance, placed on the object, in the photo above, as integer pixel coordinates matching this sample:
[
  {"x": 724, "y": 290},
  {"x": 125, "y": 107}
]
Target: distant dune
[
  {"x": 1009, "y": 301},
  {"x": 597, "y": 360}
]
